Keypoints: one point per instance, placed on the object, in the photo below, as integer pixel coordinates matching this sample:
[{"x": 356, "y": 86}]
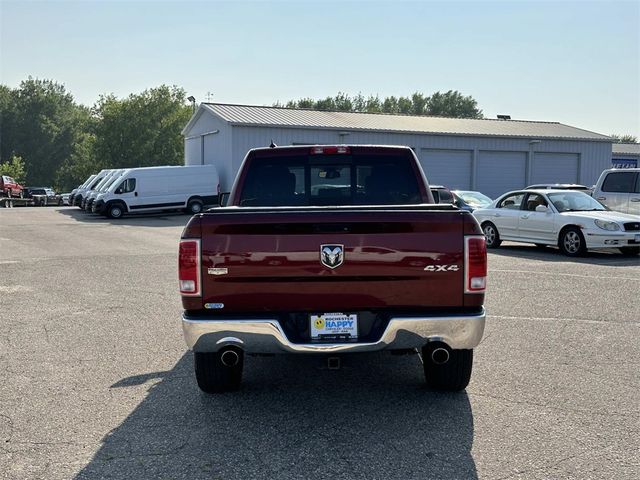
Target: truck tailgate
[{"x": 392, "y": 258}]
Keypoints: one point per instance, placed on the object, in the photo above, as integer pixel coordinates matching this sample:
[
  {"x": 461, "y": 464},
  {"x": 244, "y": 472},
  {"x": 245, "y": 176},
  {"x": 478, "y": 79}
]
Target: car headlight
[{"x": 611, "y": 226}]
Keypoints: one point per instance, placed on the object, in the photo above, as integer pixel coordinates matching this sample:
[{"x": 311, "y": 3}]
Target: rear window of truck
[{"x": 322, "y": 180}]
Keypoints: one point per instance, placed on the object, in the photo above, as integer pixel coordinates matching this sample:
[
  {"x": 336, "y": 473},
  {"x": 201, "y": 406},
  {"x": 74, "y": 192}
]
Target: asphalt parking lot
[{"x": 95, "y": 381}]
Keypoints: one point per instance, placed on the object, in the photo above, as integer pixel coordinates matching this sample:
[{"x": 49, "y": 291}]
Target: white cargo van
[
  {"x": 102, "y": 187},
  {"x": 152, "y": 189},
  {"x": 80, "y": 187},
  {"x": 619, "y": 189},
  {"x": 82, "y": 192}
]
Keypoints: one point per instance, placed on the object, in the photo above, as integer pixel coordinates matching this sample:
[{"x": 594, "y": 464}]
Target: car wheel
[
  {"x": 491, "y": 234},
  {"x": 115, "y": 211},
  {"x": 446, "y": 369},
  {"x": 572, "y": 242},
  {"x": 60, "y": 202},
  {"x": 213, "y": 375},
  {"x": 630, "y": 251},
  {"x": 194, "y": 207}
]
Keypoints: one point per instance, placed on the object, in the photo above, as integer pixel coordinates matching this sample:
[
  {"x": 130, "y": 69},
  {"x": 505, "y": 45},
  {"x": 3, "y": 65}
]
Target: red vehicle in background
[
  {"x": 10, "y": 188},
  {"x": 326, "y": 250}
]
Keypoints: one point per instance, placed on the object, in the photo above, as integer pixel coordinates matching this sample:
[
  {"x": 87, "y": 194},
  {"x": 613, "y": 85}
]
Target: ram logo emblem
[{"x": 331, "y": 256}]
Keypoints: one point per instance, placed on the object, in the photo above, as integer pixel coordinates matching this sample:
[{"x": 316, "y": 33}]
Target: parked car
[
  {"x": 560, "y": 186},
  {"x": 155, "y": 189},
  {"x": 570, "y": 219},
  {"x": 619, "y": 189},
  {"x": 372, "y": 267},
  {"x": 43, "y": 196},
  {"x": 10, "y": 188},
  {"x": 441, "y": 194},
  {"x": 470, "y": 200},
  {"x": 65, "y": 198},
  {"x": 463, "y": 199}
]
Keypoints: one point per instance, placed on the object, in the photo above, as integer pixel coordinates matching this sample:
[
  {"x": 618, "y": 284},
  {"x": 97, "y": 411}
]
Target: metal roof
[
  {"x": 626, "y": 148},
  {"x": 248, "y": 115}
]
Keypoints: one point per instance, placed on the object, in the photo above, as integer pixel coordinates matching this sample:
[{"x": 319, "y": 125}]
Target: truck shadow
[
  {"x": 552, "y": 254},
  {"x": 293, "y": 418},
  {"x": 163, "y": 219}
]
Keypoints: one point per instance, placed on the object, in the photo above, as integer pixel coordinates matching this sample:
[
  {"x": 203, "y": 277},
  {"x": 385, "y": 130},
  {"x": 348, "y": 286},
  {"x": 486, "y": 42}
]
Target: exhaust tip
[
  {"x": 229, "y": 358},
  {"x": 440, "y": 356}
]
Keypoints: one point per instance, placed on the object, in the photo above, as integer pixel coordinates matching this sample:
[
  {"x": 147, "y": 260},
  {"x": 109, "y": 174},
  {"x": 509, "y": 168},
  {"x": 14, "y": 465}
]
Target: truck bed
[{"x": 268, "y": 260}]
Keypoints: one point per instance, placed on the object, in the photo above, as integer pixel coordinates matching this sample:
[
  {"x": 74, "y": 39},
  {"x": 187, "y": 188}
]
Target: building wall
[
  {"x": 490, "y": 164},
  {"x": 209, "y": 142}
]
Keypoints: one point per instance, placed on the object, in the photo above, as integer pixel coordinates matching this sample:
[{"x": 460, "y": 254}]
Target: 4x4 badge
[{"x": 331, "y": 256}]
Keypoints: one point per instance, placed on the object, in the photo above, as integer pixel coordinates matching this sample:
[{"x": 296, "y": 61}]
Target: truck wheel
[
  {"x": 572, "y": 242},
  {"x": 194, "y": 207},
  {"x": 115, "y": 211},
  {"x": 630, "y": 251},
  {"x": 491, "y": 234},
  {"x": 213, "y": 375},
  {"x": 453, "y": 374}
]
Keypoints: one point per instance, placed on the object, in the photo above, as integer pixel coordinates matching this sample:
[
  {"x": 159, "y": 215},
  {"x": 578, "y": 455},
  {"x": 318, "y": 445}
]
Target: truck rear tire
[
  {"x": 215, "y": 377},
  {"x": 453, "y": 375}
]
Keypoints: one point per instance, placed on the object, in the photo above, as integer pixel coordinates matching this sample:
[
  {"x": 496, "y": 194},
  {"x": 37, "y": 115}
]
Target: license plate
[{"x": 334, "y": 326}]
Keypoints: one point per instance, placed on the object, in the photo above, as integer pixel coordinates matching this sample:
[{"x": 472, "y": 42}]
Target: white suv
[{"x": 619, "y": 189}]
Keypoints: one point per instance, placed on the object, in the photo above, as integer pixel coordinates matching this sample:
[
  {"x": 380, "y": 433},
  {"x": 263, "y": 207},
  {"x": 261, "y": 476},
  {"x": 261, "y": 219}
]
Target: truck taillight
[
  {"x": 332, "y": 150},
  {"x": 189, "y": 267},
  {"x": 475, "y": 264}
]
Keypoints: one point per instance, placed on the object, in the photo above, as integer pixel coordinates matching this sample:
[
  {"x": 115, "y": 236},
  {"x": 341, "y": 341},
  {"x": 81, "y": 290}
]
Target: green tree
[
  {"x": 624, "y": 138},
  {"x": 452, "y": 104},
  {"x": 14, "y": 168},
  {"x": 141, "y": 130},
  {"x": 43, "y": 123}
]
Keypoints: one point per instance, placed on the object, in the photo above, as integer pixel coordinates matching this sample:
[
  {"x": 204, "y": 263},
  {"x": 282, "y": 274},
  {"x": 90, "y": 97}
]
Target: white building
[{"x": 491, "y": 156}]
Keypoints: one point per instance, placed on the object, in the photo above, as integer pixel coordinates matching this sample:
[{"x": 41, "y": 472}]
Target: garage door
[
  {"x": 451, "y": 168},
  {"x": 499, "y": 172},
  {"x": 554, "y": 168}
]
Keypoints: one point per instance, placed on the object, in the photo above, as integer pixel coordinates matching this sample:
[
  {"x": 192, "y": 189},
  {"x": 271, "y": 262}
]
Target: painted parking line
[{"x": 560, "y": 274}]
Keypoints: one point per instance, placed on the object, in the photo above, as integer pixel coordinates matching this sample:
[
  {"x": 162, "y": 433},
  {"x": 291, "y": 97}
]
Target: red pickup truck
[
  {"x": 330, "y": 250},
  {"x": 10, "y": 188}
]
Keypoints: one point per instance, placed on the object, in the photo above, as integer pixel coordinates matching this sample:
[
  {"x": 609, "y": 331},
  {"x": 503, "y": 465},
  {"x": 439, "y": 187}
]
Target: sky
[{"x": 573, "y": 62}]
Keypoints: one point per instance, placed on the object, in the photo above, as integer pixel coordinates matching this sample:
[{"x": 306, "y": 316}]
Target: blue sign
[{"x": 624, "y": 162}]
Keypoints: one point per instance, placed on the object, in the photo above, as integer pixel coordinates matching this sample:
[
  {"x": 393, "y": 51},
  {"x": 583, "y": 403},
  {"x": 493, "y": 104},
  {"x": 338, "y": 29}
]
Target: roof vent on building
[{"x": 504, "y": 117}]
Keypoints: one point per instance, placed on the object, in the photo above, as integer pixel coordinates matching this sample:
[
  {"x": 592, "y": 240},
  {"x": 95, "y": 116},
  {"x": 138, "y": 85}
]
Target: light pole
[{"x": 192, "y": 99}]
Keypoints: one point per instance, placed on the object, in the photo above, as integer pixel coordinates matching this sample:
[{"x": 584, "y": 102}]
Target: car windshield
[
  {"x": 475, "y": 199},
  {"x": 574, "y": 202}
]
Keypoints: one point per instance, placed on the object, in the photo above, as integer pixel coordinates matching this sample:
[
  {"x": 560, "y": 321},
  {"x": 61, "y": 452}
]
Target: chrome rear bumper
[{"x": 266, "y": 336}]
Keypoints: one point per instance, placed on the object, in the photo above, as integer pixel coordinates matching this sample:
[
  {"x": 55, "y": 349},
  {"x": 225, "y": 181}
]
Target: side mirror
[
  {"x": 542, "y": 208},
  {"x": 223, "y": 198}
]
